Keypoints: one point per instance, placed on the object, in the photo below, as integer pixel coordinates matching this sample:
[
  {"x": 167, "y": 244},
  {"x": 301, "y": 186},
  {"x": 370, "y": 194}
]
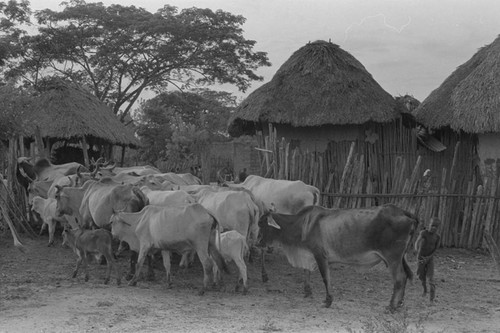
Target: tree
[
  {"x": 177, "y": 125},
  {"x": 120, "y": 51},
  {"x": 12, "y": 13}
]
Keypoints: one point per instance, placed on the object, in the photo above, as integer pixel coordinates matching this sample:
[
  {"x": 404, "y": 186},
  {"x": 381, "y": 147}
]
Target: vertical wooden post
[
  {"x": 85, "y": 148},
  {"x": 39, "y": 143},
  {"x": 122, "y": 159},
  {"x": 21, "y": 146}
]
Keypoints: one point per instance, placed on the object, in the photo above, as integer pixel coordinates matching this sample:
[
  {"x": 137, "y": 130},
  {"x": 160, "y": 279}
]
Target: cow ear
[
  {"x": 272, "y": 223},
  {"x": 272, "y": 209}
]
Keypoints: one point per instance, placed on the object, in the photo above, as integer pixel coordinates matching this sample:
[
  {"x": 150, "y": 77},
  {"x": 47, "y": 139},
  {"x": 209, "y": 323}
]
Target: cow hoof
[
  {"x": 132, "y": 283},
  {"x": 129, "y": 276},
  {"x": 118, "y": 282},
  {"x": 328, "y": 301},
  {"x": 245, "y": 291},
  {"x": 390, "y": 309},
  {"x": 86, "y": 279},
  {"x": 201, "y": 292},
  {"x": 265, "y": 278},
  {"x": 307, "y": 292},
  {"x": 50, "y": 244},
  {"x": 74, "y": 275}
]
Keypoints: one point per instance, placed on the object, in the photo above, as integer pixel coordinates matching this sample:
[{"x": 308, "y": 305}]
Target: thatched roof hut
[
  {"x": 468, "y": 100},
  {"x": 66, "y": 111},
  {"x": 319, "y": 84}
]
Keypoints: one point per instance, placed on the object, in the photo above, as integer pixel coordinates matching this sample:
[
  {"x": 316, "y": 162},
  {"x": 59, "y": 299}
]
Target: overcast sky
[{"x": 409, "y": 46}]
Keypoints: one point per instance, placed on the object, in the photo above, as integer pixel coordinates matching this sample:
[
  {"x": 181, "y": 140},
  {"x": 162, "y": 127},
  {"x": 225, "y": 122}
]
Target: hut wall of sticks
[{"x": 469, "y": 213}]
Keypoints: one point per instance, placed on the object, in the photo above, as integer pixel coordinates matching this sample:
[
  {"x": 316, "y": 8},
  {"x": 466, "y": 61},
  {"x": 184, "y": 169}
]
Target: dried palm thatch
[
  {"x": 469, "y": 99},
  {"x": 66, "y": 111},
  {"x": 319, "y": 84}
]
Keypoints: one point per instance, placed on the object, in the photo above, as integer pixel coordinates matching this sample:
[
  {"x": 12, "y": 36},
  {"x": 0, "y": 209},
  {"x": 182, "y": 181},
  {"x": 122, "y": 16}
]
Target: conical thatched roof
[
  {"x": 67, "y": 111},
  {"x": 319, "y": 84},
  {"x": 469, "y": 99}
]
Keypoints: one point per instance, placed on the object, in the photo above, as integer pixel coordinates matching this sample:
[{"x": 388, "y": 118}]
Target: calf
[
  {"x": 233, "y": 246},
  {"x": 91, "y": 242},
  {"x": 317, "y": 236},
  {"x": 46, "y": 208}
]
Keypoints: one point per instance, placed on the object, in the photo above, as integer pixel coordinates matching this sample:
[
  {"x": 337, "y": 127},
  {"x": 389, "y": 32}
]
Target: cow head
[
  {"x": 267, "y": 228},
  {"x": 25, "y": 173},
  {"x": 63, "y": 202}
]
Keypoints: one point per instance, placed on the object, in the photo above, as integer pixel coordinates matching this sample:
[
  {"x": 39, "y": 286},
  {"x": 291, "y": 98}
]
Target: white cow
[
  {"x": 288, "y": 197},
  {"x": 46, "y": 208},
  {"x": 167, "y": 198},
  {"x": 235, "y": 210},
  {"x": 179, "y": 228},
  {"x": 233, "y": 247}
]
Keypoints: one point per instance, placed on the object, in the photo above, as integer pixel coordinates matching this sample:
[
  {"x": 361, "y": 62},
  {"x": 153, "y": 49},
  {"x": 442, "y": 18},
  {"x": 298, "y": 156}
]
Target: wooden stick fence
[{"x": 468, "y": 220}]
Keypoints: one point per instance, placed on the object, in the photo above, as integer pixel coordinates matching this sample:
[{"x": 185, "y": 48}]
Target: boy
[{"x": 426, "y": 245}]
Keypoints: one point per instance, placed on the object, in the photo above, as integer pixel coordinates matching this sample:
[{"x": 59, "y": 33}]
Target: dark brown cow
[
  {"x": 87, "y": 243},
  {"x": 317, "y": 236}
]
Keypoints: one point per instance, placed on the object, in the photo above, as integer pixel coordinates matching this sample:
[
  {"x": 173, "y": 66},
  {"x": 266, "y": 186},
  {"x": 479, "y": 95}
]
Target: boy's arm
[
  {"x": 418, "y": 242},
  {"x": 436, "y": 244}
]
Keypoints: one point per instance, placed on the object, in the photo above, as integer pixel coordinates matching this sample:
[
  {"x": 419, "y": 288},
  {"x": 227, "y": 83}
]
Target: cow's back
[
  {"x": 235, "y": 210},
  {"x": 288, "y": 197},
  {"x": 180, "y": 226}
]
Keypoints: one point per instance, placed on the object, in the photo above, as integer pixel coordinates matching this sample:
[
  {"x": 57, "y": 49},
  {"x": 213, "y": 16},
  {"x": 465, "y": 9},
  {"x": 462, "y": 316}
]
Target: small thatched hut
[
  {"x": 64, "y": 113},
  {"x": 466, "y": 108},
  {"x": 322, "y": 99},
  {"x": 313, "y": 96}
]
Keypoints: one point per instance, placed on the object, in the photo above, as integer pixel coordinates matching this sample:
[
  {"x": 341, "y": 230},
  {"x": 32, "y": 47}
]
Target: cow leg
[
  {"x": 140, "y": 262},
  {"x": 184, "y": 260},
  {"x": 44, "y": 226},
  {"x": 217, "y": 276},
  {"x": 206, "y": 262},
  {"x": 166, "y": 263},
  {"x": 78, "y": 264},
  {"x": 265, "y": 278},
  {"x": 322, "y": 262},
  {"x": 133, "y": 263},
  {"x": 151, "y": 271},
  {"x": 110, "y": 262},
  {"x": 242, "y": 278},
  {"x": 86, "y": 266},
  {"x": 399, "y": 279},
  {"x": 52, "y": 228},
  {"x": 307, "y": 283}
]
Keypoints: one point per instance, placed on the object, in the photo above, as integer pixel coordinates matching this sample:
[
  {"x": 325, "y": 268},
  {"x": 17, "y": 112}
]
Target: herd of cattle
[{"x": 152, "y": 212}]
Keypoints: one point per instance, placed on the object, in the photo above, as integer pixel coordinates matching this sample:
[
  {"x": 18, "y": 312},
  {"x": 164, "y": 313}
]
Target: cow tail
[
  {"x": 212, "y": 248},
  {"x": 407, "y": 269}
]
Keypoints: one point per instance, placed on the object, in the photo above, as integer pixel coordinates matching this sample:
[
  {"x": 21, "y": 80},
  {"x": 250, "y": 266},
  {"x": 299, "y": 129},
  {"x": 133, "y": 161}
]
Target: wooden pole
[
  {"x": 347, "y": 167},
  {"x": 39, "y": 143},
  {"x": 83, "y": 142}
]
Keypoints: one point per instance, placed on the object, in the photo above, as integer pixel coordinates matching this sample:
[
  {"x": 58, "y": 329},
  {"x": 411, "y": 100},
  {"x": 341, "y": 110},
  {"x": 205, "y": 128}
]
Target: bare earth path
[{"x": 37, "y": 294}]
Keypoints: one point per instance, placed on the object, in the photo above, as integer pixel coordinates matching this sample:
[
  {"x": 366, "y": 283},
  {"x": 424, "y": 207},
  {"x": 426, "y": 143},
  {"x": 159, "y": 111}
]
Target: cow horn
[
  {"x": 272, "y": 223},
  {"x": 25, "y": 175}
]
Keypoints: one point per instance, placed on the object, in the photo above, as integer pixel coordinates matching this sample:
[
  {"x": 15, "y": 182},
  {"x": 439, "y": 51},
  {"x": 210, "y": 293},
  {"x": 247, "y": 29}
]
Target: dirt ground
[{"x": 37, "y": 294}]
